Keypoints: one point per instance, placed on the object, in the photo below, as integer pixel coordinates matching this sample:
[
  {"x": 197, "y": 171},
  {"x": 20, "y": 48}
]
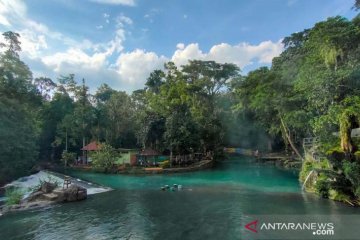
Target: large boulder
[
  {"x": 75, "y": 193},
  {"x": 47, "y": 187}
]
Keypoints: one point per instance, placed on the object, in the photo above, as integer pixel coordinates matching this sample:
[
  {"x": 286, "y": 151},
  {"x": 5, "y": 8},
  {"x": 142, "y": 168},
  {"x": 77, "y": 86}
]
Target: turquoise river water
[{"x": 212, "y": 205}]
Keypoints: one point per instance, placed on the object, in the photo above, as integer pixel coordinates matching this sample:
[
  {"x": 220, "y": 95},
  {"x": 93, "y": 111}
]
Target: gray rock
[
  {"x": 35, "y": 196},
  {"x": 51, "y": 197},
  {"x": 75, "y": 193},
  {"x": 47, "y": 187}
]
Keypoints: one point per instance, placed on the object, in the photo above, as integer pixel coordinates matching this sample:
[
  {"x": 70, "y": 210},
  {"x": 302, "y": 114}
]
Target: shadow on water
[{"x": 211, "y": 206}]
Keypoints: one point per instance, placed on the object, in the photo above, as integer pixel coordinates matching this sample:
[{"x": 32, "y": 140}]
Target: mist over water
[{"x": 212, "y": 205}]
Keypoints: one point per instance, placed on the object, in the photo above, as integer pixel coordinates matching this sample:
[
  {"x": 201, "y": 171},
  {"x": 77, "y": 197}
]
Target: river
[{"x": 212, "y": 205}]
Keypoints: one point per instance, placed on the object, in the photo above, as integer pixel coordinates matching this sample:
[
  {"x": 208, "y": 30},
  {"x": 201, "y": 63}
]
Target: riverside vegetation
[{"x": 311, "y": 89}]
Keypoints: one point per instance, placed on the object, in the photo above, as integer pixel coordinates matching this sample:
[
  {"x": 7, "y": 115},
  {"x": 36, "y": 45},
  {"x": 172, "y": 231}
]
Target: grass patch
[{"x": 13, "y": 196}]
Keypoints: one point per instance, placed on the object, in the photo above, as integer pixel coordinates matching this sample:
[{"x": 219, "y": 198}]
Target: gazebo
[
  {"x": 93, "y": 146},
  {"x": 148, "y": 156}
]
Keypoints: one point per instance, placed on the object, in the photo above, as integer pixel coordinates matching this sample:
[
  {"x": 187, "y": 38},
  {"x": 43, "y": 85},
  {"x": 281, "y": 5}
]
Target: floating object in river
[{"x": 173, "y": 188}]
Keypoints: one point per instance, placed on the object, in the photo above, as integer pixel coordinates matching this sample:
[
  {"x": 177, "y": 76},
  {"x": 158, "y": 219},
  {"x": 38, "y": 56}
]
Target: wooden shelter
[
  {"x": 148, "y": 157},
  {"x": 93, "y": 146}
]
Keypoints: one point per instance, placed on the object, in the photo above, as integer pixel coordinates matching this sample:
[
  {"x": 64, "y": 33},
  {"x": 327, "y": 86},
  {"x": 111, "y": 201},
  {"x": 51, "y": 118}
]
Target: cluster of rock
[{"x": 48, "y": 193}]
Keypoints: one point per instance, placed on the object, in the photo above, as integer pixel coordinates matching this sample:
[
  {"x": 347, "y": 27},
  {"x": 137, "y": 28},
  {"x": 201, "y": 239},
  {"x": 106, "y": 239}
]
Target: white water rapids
[{"x": 25, "y": 184}]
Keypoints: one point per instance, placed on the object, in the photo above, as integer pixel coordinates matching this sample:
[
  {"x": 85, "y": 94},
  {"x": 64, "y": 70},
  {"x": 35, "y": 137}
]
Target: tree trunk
[
  {"x": 286, "y": 131},
  {"x": 171, "y": 155},
  {"x": 66, "y": 140}
]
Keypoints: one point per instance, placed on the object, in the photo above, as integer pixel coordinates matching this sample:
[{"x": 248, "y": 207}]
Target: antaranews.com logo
[
  {"x": 301, "y": 227},
  {"x": 315, "y": 228}
]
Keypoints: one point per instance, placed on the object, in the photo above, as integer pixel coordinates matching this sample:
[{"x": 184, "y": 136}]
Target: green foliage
[
  {"x": 357, "y": 4},
  {"x": 307, "y": 166},
  {"x": 68, "y": 157},
  {"x": 13, "y": 196},
  {"x": 322, "y": 186},
  {"x": 312, "y": 89},
  {"x": 104, "y": 159},
  {"x": 49, "y": 179},
  {"x": 19, "y": 119},
  {"x": 338, "y": 196},
  {"x": 165, "y": 164},
  {"x": 352, "y": 172}
]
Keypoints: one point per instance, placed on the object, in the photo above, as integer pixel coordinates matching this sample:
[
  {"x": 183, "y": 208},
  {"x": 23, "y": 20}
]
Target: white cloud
[
  {"x": 134, "y": 67},
  {"x": 11, "y": 11},
  {"x": 76, "y": 59},
  {"x": 99, "y": 27},
  {"x": 116, "y": 2},
  {"x": 122, "y": 20},
  {"x": 180, "y": 46},
  {"x": 51, "y": 53},
  {"x": 32, "y": 44},
  {"x": 243, "y": 54},
  {"x": 4, "y": 21},
  {"x": 183, "y": 54},
  {"x": 106, "y": 17}
]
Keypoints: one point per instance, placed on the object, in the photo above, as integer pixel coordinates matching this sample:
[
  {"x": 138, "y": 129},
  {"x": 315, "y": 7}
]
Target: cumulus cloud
[
  {"x": 11, "y": 11},
  {"x": 180, "y": 46},
  {"x": 242, "y": 54},
  {"x": 116, "y": 2},
  {"x": 134, "y": 67},
  {"x": 74, "y": 59},
  {"x": 183, "y": 54},
  {"x": 32, "y": 44}
]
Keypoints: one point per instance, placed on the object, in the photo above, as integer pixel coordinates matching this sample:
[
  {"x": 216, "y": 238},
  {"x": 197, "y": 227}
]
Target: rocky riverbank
[{"x": 48, "y": 193}]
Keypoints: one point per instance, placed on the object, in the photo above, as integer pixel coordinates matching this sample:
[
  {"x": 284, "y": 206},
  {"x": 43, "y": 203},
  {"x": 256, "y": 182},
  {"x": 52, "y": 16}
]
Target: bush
[
  {"x": 68, "y": 157},
  {"x": 305, "y": 170},
  {"x": 357, "y": 192},
  {"x": 357, "y": 155},
  {"x": 165, "y": 164},
  {"x": 50, "y": 180},
  {"x": 13, "y": 196},
  {"x": 322, "y": 186},
  {"x": 335, "y": 156},
  {"x": 338, "y": 195},
  {"x": 352, "y": 173},
  {"x": 105, "y": 158}
]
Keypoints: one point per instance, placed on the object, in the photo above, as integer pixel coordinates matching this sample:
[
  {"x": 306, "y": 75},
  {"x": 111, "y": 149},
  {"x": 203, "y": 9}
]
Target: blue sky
[{"x": 121, "y": 41}]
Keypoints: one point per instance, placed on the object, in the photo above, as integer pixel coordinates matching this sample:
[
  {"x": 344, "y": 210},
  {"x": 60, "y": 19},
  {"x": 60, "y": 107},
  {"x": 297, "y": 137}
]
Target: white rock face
[{"x": 26, "y": 183}]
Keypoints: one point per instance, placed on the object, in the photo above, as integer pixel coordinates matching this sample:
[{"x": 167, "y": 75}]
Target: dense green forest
[{"x": 311, "y": 90}]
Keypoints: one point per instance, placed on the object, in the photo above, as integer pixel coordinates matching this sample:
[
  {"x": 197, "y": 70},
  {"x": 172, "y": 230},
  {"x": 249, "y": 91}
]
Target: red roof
[
  {"x": 93, "y": 146},
  {"x": 149, "y": 152}
]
